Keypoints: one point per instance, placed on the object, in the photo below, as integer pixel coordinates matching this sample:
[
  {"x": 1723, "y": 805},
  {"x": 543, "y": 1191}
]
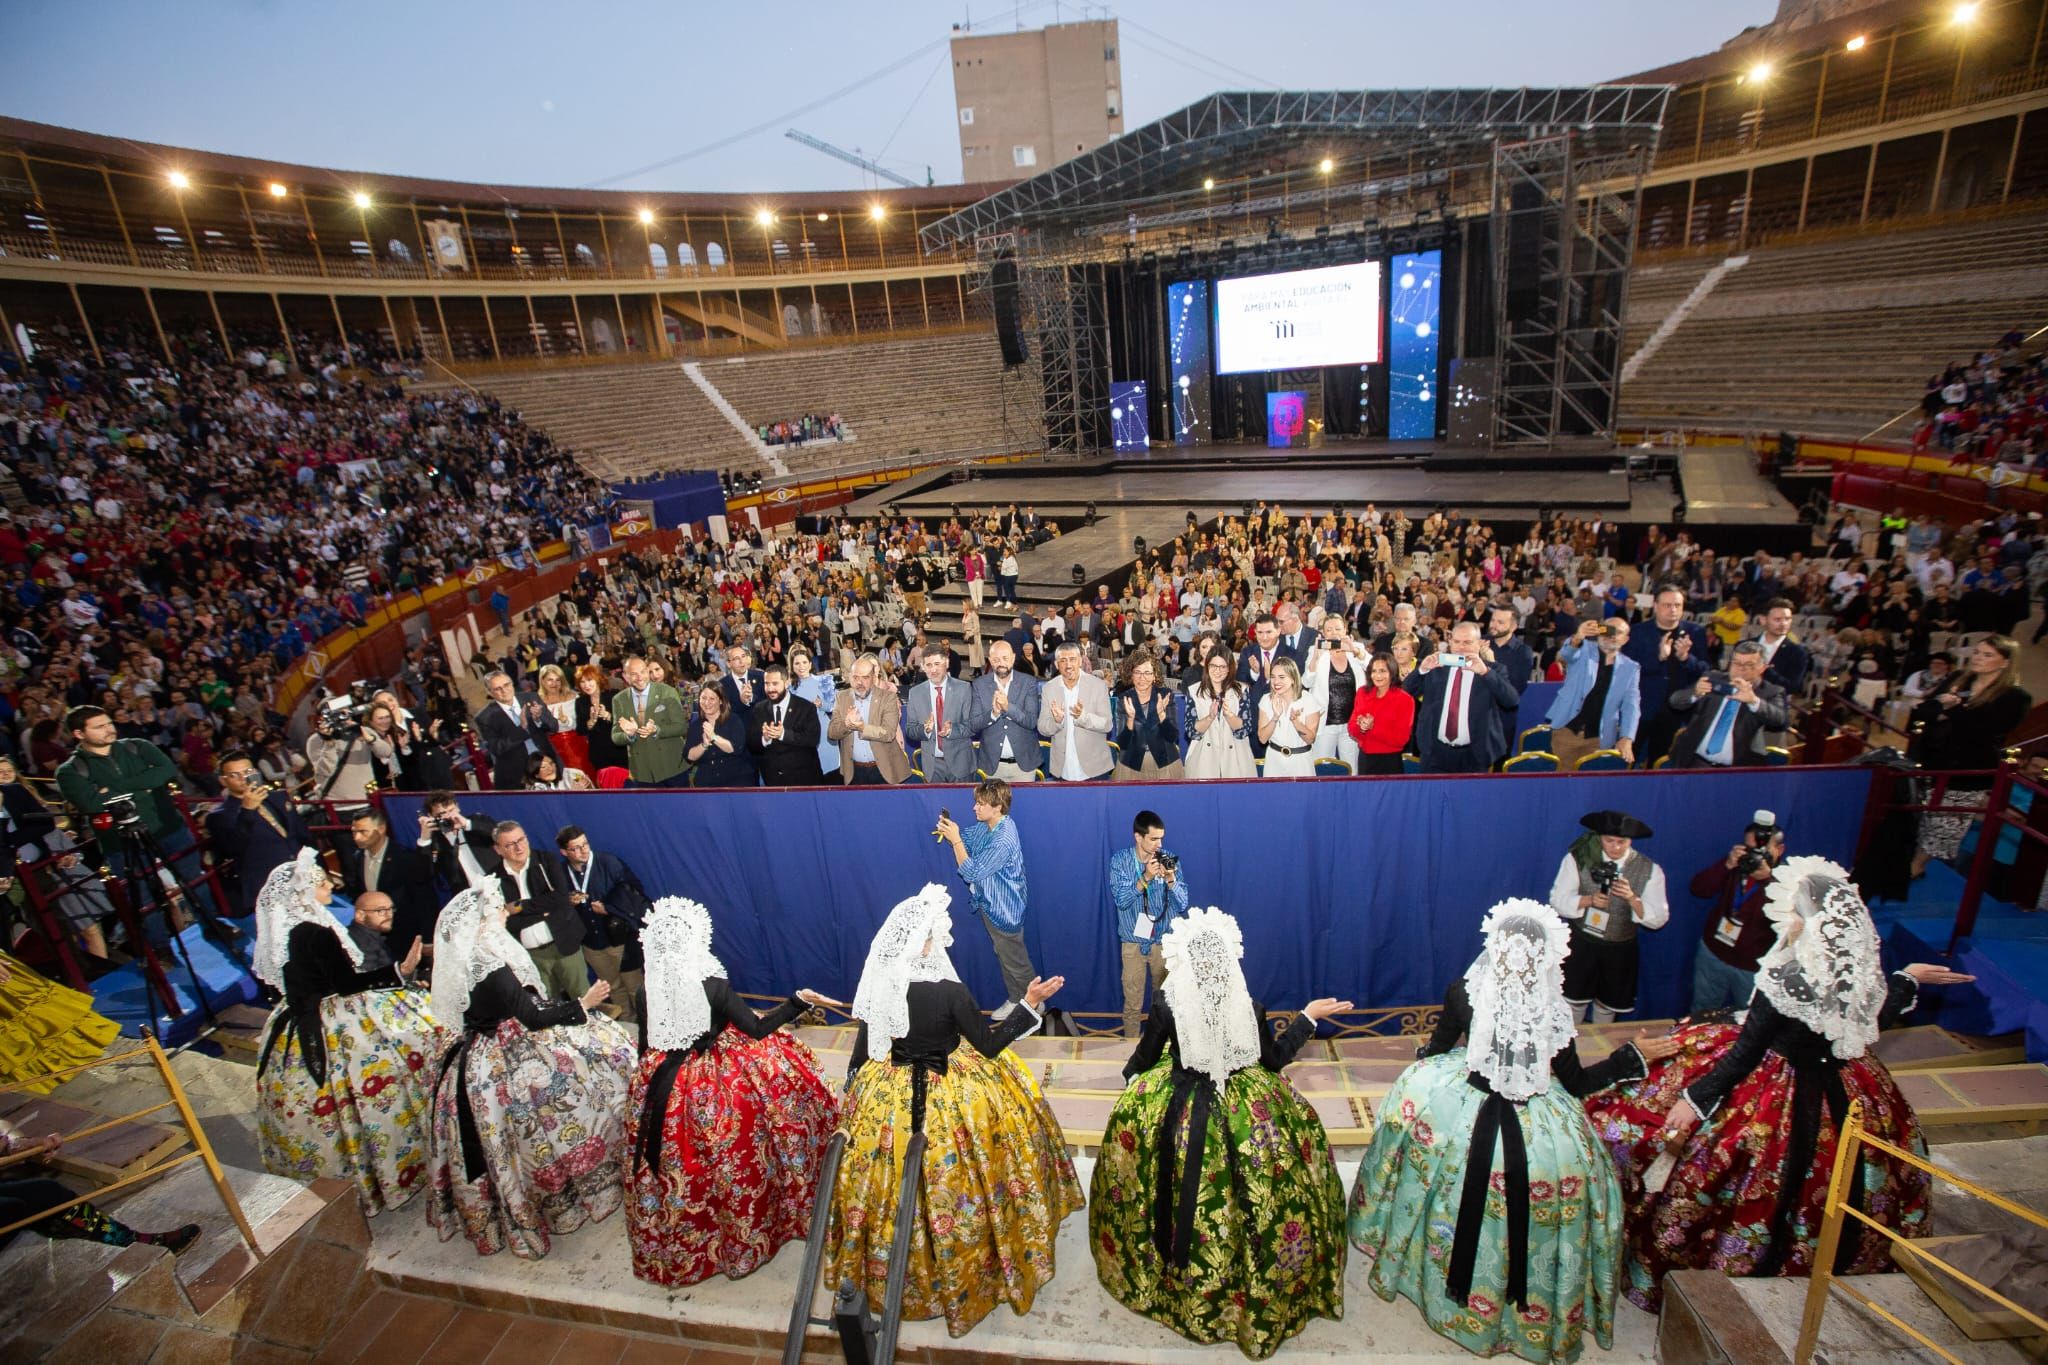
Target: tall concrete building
[{"x": 1028, "y": 100}]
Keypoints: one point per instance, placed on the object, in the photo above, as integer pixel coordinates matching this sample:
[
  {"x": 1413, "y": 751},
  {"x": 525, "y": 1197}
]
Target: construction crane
[{"x": 850, "y": 158}]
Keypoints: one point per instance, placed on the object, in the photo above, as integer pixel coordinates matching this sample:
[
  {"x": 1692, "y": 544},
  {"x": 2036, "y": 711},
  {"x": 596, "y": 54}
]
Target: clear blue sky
[{"x": 578, "y": 94}]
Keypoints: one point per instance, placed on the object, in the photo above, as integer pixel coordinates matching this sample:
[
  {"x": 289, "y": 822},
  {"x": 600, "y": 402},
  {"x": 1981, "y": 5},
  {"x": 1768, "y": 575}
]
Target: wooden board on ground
[
  {"x": 103, "y": 1157},
  {"x": 240, "y": 1033},
  {"x": 1928, "y": 1047},
  {"x": 2014, "y": 1095},
  {"x": 1975, "y": 1317}
]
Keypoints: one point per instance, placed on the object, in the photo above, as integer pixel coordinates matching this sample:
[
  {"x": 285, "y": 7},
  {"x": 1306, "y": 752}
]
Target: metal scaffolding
[{"x": 1058, "y": 324}]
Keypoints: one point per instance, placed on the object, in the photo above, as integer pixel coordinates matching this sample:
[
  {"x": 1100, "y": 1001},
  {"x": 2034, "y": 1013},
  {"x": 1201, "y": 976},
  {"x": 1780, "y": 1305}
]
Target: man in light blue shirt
[
  {"x": 1146, "y": 887},
  {"x": 990, "y": 858}
]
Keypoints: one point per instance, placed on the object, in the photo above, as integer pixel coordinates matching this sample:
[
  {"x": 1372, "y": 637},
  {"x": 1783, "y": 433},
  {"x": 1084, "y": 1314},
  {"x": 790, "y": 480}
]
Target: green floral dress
[{"x": 1247, "y": 1248}]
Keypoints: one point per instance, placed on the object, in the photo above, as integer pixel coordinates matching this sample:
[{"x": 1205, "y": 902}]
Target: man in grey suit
[
  {"x": 1073, "y": 712},
  {"x": 935, "y": 721},
  {"x": 1003, "y": 718}
]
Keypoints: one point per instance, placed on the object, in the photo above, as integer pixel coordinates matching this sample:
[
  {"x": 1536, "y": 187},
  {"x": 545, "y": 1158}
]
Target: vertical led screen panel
[
  {"x": 1187, "y": 353},
  {"x": 1413, "y": 309},
  {"x": 1130, "y": 422}
]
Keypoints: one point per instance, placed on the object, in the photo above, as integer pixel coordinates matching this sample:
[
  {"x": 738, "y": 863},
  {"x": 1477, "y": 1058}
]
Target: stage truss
[{"x": 1557, "y": 173}]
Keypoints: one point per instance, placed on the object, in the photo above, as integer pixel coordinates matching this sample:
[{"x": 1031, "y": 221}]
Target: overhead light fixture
[
  {"x": 1966, "y": 12},
  {"x": 362, "y": 200},
  {"x": 1857, "y": 44},
  {"x": 179, "y": 180},
  {"x": 764, "y": 217},
  {"x": 1758, "y": 74},
  {"x": 1208, "y": 182},
  {"x": 278, "y": 191},
  {"x": 877, "y": 213},
  {"x": 646, "y": 217},
  {"x": 1326, "y": 165},
  {"x": 824, "y": 217}
]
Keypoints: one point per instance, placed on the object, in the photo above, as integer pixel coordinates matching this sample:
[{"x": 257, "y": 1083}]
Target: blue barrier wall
[{"x": 1368, "y": 889}]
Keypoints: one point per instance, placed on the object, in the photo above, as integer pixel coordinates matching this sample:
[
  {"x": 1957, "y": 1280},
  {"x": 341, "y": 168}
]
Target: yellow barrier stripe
[
  {"x": 122, "y": 1183},
  {"x": 82, "y": 1133}
]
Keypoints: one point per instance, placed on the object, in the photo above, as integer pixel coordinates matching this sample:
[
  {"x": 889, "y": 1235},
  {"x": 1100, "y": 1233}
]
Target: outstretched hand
[
  {"x": 411, "y": 961},
  {"x": 1042, "y": 989},
  {"x": 1934, "y": 974},
  {"x": 1656, "y": 1049},
  {"x": 1315, "y": 1011}
]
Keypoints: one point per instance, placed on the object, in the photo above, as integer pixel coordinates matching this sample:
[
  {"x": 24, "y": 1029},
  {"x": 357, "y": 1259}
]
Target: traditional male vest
[{"x": 1618, "y": 925}]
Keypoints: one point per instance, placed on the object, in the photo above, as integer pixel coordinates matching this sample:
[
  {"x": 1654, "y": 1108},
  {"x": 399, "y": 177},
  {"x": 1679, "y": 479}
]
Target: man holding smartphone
[
  {"x": 1728, "y": 713},
  {"x": 1599, "y": 705},
  {"x": 990, "y": 858},
  {"x": 1464, "y": 707}
]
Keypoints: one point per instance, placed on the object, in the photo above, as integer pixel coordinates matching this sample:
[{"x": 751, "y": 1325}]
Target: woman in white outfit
[
  {"x": 1289, "y": 723},
  {"x": 1222, "y": 745}
]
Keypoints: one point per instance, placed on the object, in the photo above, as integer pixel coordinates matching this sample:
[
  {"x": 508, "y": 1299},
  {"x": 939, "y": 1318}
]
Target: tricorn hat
[{"x": 1620, "y": 824}]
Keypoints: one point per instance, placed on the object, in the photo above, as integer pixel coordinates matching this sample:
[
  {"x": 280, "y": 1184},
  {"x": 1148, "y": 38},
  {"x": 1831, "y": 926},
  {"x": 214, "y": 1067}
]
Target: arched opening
[
  {"x": 585, "y": 258},
  {"x": 686, "y": 255},
  {"x": 714, "y": 255},
  {"x": 657, "y": 256},
  {"x": 398, "y": 251}
]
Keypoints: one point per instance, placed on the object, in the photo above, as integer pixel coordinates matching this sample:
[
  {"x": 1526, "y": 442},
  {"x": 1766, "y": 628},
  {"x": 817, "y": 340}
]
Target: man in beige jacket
[{"x": 865, "y": 726}]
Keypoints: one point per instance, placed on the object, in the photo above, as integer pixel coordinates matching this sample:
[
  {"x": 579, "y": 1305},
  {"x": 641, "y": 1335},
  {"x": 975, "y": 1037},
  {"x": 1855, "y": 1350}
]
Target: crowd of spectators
[
  {"x": 1990, "y": 412},
  {"x": 816, "y": 426}
]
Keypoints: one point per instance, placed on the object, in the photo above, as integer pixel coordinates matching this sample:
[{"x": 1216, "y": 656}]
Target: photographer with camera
[
  {"x": 126, "y": 781},
  {"x": 1607, "y": 892},
  {"x": 458, "y": 846},
  {"x": 1729, "y": 714},
  {"x": 1149, "y": 893},
  {"x": 344, "y": 751},
  {"x": 1738, "y": 932},
  {"x": 255, "y": 827}
]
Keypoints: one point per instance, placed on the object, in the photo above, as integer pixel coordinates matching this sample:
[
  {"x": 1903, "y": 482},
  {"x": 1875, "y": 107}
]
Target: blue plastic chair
[{"x": 1534, "y": 761}]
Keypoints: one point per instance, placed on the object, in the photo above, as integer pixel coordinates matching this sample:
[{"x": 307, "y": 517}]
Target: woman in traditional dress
[
  {"x": 45, "y": 1027},
  {"x": 997, "y": 1178},
  {"x": 1490, "y": 1140},
  {"x": 728, "y": 1118},
  {"x": 346, "y": 1079},
  {"x": 1744, "y": 1193},
  {"x": 528, "y": 1133},
  {"x": 1216, "y": 1207}
]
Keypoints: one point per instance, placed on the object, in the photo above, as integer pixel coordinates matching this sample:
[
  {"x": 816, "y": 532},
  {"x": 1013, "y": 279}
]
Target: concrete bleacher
[
  {"x": 1835, "y": 337},
  {"x": 919, "y": 396},
  {"x": 626, "y": 421}
]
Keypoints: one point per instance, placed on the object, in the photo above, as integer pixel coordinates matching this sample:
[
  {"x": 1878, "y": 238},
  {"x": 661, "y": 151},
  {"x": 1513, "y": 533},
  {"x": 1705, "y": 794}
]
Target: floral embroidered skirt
[
  {"x": 1716, "y": 1207},
  {"x": 744, "y": 1130},
  {"x": 549, "y": 1108},
  {"x": 1404, "y": 1216},
  {"x": 997, "y": 1184},
  {"x": 1266, "y": 1250},
  {"x": 45, "y": 1026},
  {"x": 368, "y": 1124}
]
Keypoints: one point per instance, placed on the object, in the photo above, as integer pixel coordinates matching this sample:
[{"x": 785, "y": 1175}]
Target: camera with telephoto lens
[
  {"x": 352, "y": 707},
  {"x": 118, "y": 812}
]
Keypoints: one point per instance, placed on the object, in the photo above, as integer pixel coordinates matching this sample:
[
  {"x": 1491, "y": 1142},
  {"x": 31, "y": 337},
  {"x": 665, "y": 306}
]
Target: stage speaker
[{"x": 1003, "y": 279}]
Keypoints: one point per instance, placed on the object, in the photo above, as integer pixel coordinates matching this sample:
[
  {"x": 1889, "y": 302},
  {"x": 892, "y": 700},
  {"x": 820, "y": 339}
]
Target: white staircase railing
[{"x": 1679, "y": 314}]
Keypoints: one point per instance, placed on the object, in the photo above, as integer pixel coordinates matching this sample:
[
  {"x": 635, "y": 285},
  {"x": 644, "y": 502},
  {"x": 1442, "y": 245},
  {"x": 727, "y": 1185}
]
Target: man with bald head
[
  {"x": 1002, "y": 716},
  {"x": 371, "y": 932}
]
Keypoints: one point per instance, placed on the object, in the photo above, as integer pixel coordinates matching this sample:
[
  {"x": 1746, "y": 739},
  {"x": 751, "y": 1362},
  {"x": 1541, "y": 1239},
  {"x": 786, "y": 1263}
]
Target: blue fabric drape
[{"x": 1368, "y": 889}]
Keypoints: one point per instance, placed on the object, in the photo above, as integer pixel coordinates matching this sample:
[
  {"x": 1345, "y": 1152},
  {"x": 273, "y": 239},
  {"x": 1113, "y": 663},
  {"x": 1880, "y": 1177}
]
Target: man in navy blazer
[
  {"x": 942, "y": 754},
  {"x": 1786, "y": 661},
  {"x": 1463, "y": 712},
  {"x": 1674, "y": 653},
  {"x": 743, "y": 684},
  {"x": 1002, "y": 716},
  {"x": 1600, "y": 704},
  {"x": 1255, "y": 669}
]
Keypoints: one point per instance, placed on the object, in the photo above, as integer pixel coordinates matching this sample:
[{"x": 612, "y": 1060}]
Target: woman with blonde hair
[
  {"x": 572, "y": 749},
  {"x": 1288, "y": 723}
]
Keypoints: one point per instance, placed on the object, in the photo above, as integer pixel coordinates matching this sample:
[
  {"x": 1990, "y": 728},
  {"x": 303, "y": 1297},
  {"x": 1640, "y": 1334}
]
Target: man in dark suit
[
  {"x": 742, "y": 681},
  {"x": 1728, "y": 713},
  {"x": 514, "y": 727},
  {"x": 1255, "y": 669},
  {"x": 1673, "y": 654},
  {"x": 1786, "y": 662},
  {"x": 1295, "y": 637},
  {"x": 253, "y": 831},
  {"x": 783, "y": 733},
  {"x": 614, "y": 908},
  {"x": 1405, "y": 622},
  {"x": 1002, "y": 717},
  {"x": 1463, "y": 712},
  {"x": 1511, "y": 655},
  {"x": 377, "y": 862},
  {"x": 542, "y": 916},
  {"x": 458, "y": 847},
  {"x": 936, "y": 724}
]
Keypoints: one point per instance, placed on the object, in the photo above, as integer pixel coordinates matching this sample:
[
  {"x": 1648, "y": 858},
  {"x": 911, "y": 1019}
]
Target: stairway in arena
[
  {"x": 1830, "y": 338},
  {"x": 626, "y": 421}
]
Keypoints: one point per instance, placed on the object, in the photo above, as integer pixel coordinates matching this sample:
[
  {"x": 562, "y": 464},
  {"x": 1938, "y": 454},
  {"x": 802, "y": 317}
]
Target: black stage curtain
[
  {"x": 1134, "y": 303},
  {"x": 1341, "y": 385},
  {"x": 1238, "y": 407}
]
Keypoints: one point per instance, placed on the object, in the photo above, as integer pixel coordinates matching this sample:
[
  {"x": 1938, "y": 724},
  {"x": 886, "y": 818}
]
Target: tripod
[{"x": 127, "y": 841}]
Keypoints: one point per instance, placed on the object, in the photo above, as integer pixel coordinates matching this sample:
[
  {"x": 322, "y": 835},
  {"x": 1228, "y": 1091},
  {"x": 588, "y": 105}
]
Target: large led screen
[
  {"x": 1187, "y": 333},
  {"x": 1412, "y": 353},
  {"x": 1299, "y": 320}
]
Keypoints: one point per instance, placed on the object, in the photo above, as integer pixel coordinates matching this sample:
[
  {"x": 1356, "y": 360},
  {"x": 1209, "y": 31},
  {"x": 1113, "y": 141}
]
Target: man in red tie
[
  {"x": 1465, "y": 707},
  {"x": 1255, "y": 668}
]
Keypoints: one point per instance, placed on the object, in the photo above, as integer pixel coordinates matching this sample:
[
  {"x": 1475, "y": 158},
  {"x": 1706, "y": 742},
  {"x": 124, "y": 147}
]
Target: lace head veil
[
  {"x": 1516, "y": 986},
  {"x": 910, "y": 946},
  {"x": 286, "y": 901},
  {"x": 1214, "y": 1025},
  {"x": 470, "y": 942},
  {"x": 677, "y": 941},
  {"x": 1824, "y": 970}
]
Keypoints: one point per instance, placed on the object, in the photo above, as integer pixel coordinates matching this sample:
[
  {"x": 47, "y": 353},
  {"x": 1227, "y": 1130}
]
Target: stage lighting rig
[
  {"x": 1091, "y": 515},
  {"x": 1080, "y": 576},
  {"x": 1137, "y": 547}
]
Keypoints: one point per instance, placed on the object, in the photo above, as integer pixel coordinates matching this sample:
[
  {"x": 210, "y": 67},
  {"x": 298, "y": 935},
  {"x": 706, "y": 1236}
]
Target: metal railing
[{"x": 1848, "y": 1153}]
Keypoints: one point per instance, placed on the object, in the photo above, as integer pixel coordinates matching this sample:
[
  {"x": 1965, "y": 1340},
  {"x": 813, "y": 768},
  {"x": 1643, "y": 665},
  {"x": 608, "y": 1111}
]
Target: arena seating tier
[
  {"x": 1834, "y": 337},
  {"x": 626, "y": 421}
]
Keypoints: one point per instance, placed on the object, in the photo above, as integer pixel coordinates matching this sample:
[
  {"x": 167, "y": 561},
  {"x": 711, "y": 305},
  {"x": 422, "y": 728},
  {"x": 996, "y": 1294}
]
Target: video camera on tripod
[{"x": 343, "y": 710}]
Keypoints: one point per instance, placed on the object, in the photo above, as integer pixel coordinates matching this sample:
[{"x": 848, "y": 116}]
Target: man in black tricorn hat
[{"x": 1607, "y": 892}]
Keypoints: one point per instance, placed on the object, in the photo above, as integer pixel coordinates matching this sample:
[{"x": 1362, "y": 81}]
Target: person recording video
[
  {"x": 1729, "y": 713},
  {"x": 346, "y": 753},
  {"x": 254, "y": 830}
]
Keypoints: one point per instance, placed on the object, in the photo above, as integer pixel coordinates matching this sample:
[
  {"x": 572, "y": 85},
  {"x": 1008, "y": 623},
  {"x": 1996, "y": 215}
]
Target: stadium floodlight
[
  {"x": 876, "y": 213},
  {"x": 1857, "y": 44},
  {"x": 824, "y": 217},
  {"x": 362, "y": 200},
  {"x": 278, "y": 191},
  {"x": 179, "y": 180},
  {"x": 1326, "y": 165},
  {"x": 1208, "y": 182},
  {"x": 764, "y": 217},
  {"x": 646, "y": 217},
  {"x": 1966, "y": 12},
  {"x": 1758, "y": 74}
]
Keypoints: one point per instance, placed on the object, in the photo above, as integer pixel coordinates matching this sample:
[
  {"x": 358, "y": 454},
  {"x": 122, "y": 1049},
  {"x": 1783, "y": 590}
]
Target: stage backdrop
[{"x": 1367, "y": 889}]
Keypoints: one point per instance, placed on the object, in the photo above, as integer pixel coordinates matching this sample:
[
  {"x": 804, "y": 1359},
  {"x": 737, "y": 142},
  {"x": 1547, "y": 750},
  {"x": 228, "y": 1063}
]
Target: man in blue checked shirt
[
  {"x": 991, "y": 861},
  {"x": 1146, "y": 888}
]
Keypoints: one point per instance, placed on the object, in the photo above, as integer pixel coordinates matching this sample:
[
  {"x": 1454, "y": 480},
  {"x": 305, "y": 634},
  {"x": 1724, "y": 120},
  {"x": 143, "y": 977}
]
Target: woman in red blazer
[{"x": 1382, "y": 718}]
